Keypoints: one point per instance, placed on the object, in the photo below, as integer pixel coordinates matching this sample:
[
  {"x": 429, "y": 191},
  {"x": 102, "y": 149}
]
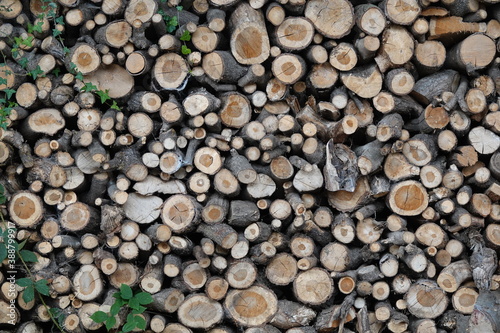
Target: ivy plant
[{"x": 133, "y": 303}]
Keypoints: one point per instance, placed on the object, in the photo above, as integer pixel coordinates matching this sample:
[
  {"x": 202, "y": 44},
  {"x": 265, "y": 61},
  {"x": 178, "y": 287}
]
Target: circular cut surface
[
  {"x": 314, "y": 286},
  {"x": 25, "y": 209},
  {"x": 477, "y": 50},
  {"x": 426, "y": 300},
  {"x": 113, "y": 78},
  {"x": 333, "y": 18},
  {"x": 199, "y": 311},
  {"x": 250, "y": 307},
  {"x": 408, "y": 198}
]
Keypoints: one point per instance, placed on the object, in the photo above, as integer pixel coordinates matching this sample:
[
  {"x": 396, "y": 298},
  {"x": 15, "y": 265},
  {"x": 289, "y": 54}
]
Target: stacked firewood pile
[{"x": 291, "y": 166}]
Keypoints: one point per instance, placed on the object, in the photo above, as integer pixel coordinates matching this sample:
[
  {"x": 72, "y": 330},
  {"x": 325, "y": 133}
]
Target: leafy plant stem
[{"x": 33, "y": 279}]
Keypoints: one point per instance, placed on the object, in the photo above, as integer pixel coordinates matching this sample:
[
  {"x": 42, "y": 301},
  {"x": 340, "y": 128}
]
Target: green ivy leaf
[
  {"x": 126, "y": 292},
  {"x": 140, "y": 322},
  {"x": 59, "y": 20},
  {"x": 79, "y": 76},
  {"x": 115, "y": 106},
  {"x": 9, "y": 92},
  {"x": 88, "y": 87},
  {"x": 67, "y": 51},
  {"x": 110, "y": 323},
  {"x": 186, "y": 36},
  {"x": 37, "y": 27},
  {"x": 144, "y": 298},
  {"x": 56, "y": 71},
  {"x": 29, "y": 294},
  {"x": 179, "y": 8},
  {"x": 24, "y": 282},
  {"x": 3, "y": 80},
  {"x": 36, "y": 72},
  {"x": 185, "y": 50},
  {"x": 23, "y": 62},
  {"x": 28, "y": 41},
  {"x": 103, "y": 95},
  {"x": 99, "y": 317},
  {"x": 42, "y": 287},
  {"x": 56, "y": 32},
  {"x": 28, "y": 256}
]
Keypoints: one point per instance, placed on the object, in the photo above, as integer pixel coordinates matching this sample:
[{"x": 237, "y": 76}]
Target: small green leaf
[
  {"x": 116, "y": 307},
  {"x": 59, "y": 20},
  {"x": 186, "y": 36},
  {"x": 110, "y": 323},
  {"x": 35, "y": 73},
  {"x": 28, "y": 41},
  {"x": 67, "y": 51},
  {"x": 140, "y": 322},
  {"x": 23, "y": 62},
  {"x": 29, "y": 294},
  {"x": 144, "y": 298},
  {"x": 79, "y": 76},
  {"x": 129, "y": 326},
  {"x": 126, "y": 291},
  {"x": 88, "y": 87},
  {"x": 3, "y": 80},
  {"x": 133, "y": 303},
  {"x": 115, "y": 106},
  {"x": 24, "y": 282},
  {"x": 9, "y": 92},
  {"x": 179, "y": 8},
  {"x": 22, "y": 244},
  {"x": 99, "y": 317},
  {"x": 56, "y": 32},
  {"x": 28, "y": 256},
  {"x": 42, "y": 287},
  {"x": 56, "y": 71},
  {"x": 185, "y": 50},
  {"x": 103, "y": 95},
  {"x": 140, "y": 309}
]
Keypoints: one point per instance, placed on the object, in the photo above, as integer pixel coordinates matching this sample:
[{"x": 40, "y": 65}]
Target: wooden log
[
  {"x": 484, "y": 318},
  {"x": 402, "y": 14},
  {"x": 87, "y": 283},
  {"x": 364, "y": 81},
  {"x": 181, "y": 213},
  {"x": 431, "y": 302},
  {"x": 253, "y": 313},
  {"x": 167, "y": 301},
  {"x": 322, "y": 12},
  {"x": 349, "y": 201},
  {"x": 170, "y": 72},
  {"x": 313, "y": 286},
  {"x": 370, "y": 19},
  {"x": 249, "y": 38},
  {"x": 198, "y": 311},
  {"x": 397, "y": 49},
  {"x": 470, "y": 60}
]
